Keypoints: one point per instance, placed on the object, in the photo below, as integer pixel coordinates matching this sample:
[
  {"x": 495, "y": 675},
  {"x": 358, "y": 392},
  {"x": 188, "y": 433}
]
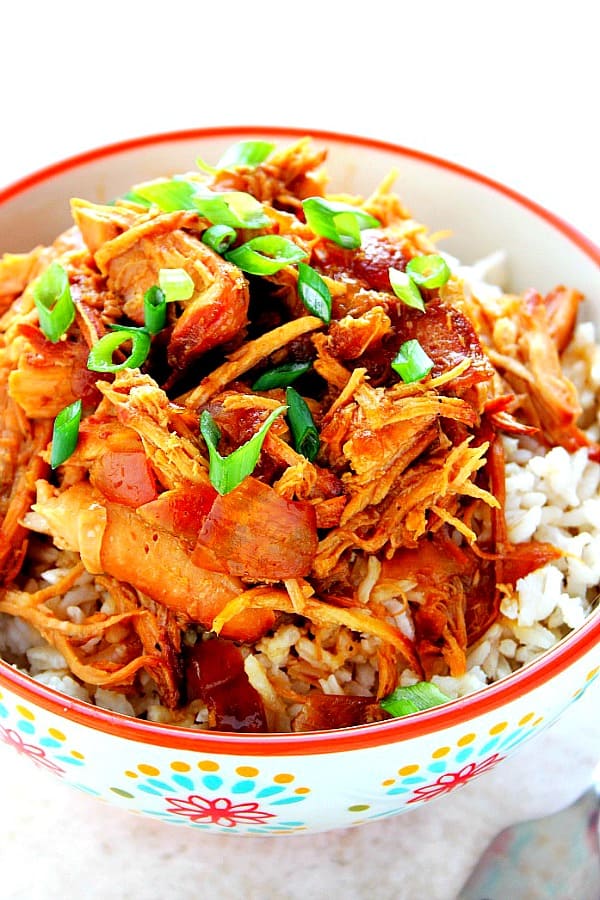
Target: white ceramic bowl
[{"x": 273, "y": 784}]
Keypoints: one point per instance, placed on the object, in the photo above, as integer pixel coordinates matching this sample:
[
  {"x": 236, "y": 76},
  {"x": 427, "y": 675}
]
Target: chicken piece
[
  {"x": 100, "y": 224},
  {"x": 113, "y": 539},
  {"x": 16, "y": 271},
  {"x": 217, "y": 311},
  {"x": 524, "y": 351},
  {"x": 22, "y": 444},
  {"x": 47, "y": 376},
  {"x": 350, "y": 337},
  {"x": 284, "y": 179},
  {"x": 562, "y": 305},
  {"x": 141, "y": 405}
]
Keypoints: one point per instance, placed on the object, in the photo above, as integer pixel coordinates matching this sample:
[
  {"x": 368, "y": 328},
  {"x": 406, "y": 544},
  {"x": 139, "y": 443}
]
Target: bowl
[{"x": 306, "y": 782}]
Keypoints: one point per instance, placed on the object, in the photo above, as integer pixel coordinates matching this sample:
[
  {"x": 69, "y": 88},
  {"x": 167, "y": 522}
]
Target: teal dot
[
  {"x": 25, "y": 726},
  {"x": 398, "y": 790},
  {"x": 413, "y": 779},
  {"x": 270, "y": 791},
  {"x": 49, "y": 742},
  {"x": 3, "y": 711},
  {"x": 148, "y": 790},
  {"x": 70, "y": 760},
  {"x": 212, "y": 782},
  {"x": 163, "y": 786},
  {"x": 464, "y": 754},
  {"x": 439, "y": 766},
  {"x": 184, "y": 781},
  {"x": 243, "y": 787},
  {"x": 513, "y": 739},
  {"x": 284, "y": 800},
  {"x": 489, "y": 746}
]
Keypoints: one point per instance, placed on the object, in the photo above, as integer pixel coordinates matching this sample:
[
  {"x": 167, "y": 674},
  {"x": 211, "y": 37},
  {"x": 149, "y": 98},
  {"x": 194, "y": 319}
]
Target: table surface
[{"x": 510, "y": 91}]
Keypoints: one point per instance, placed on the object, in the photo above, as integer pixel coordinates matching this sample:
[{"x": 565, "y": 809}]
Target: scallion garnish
[
  {"x": 313, "y": 292},
  {"x": 237, "y": 209},
  {"x": 169, "y": 196},
  {"x": 155, "y": 310},
  {"x": 132, "y": 197},
  {"x": 219, "y": 237},
  {"x": 243, "y": 153},
  {"x": 281, "y": 376},
  {"x": 428, "y": 271},
  {"x": 302, "y": 425},
  {"x": 406, "y": 289},
  {"x": 100, "y": 358},
  {"x": 226, "y": 472},
  {"x": 246, "y": 153},
  {"x": 234, "y": 208},
  {"x": 338, "y": 222},
  {"x": 265, "y": 254},
  {"x": 411, "y": 362},
  {"x": 175, "y": 284},
  {"x": 65, "y": 433},
  {"x": 413, "y": 698},
  {"x": 53, "y": 301}
]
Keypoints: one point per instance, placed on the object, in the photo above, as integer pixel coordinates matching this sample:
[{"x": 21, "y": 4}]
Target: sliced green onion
[
  {"x": 414, "y": 698},
  {"x": 406, "y": 289},
  {"x": 175, "y": 284},
  {"x": 132, "y": 197},
  {"x": 237, "y": 209},
  {"x": 246, "y": 153},
  {"x": 281, "y": 376},
  {"x": 226, "y": 472},
  {"x": 428, "y": 271},
  {"x": 313, "y": 292},
  {"x": 219, "y": 237},
  {"x": 65, "y": 433},
  {"x": 233, "y": 208},
  {"x": 266, "y": 254},
  {"x": 100, "y": 358},
  {"x": 302, "y": 425},
  {"x": 155, "y": 310},
  {"x": 53, "y": 301},
  {"x": 411, "y": 362},
  {"x": 338, "y": 222},
  {"x": 169, "y": 196}
]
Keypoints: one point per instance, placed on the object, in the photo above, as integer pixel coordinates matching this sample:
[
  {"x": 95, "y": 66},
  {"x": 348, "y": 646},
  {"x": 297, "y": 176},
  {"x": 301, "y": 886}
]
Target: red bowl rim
[{"x": 456, "y": 712}]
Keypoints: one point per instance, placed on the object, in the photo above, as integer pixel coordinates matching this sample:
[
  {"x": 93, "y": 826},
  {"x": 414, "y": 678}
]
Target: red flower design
[
  {"x": 220, "y": 811},
  {"x": 35, "y": 754},
  {"x": 451, "y": 780}
]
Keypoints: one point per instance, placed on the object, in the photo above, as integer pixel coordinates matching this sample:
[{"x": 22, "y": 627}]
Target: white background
[{"x": 509, "y": 89}]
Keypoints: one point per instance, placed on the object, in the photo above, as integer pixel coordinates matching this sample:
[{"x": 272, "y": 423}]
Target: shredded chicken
[{"x": 405, "y": 483}]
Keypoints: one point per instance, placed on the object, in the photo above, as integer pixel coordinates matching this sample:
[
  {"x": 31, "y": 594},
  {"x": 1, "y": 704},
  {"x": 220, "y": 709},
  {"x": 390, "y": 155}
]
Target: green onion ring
[
  {"x": 281, "y": 376},
  {"x": 65, "y": 433},
  {"x": 411, "y": 362},
  {"x": 155, "y": 310},
  {"x": 219, "y": 238},
  {"x": 313, "y": 292},
  {"x": 101, "y": 354},
  {"x": 226, "y": 472},
  {"x": 265, "y": 254},
  {"x": 53, "y": 301},
  {"x": 302, "y": 425},
  {"x": 428, "y": 271},
  {"x": 405, "y": 289}
]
